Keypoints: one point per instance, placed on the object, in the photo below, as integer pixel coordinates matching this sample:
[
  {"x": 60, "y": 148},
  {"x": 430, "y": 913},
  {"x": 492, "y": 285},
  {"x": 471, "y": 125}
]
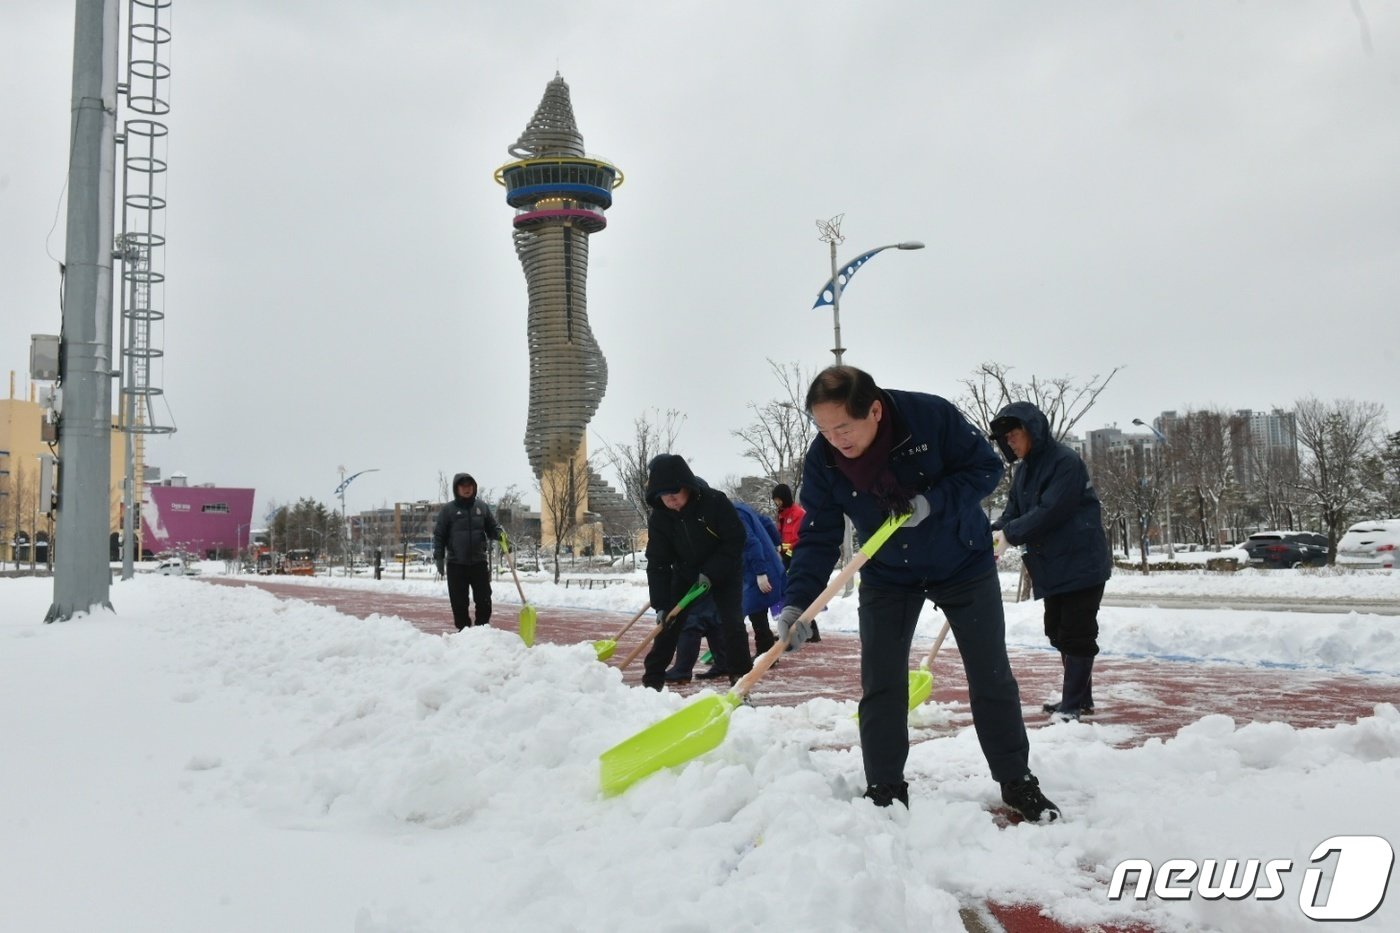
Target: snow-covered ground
[{"x": 214, "y": 759}]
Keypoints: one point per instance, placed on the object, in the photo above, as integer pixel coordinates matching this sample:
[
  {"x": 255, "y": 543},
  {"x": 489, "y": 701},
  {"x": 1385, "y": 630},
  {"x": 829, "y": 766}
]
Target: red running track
[{"x": 1156, "y": 696}]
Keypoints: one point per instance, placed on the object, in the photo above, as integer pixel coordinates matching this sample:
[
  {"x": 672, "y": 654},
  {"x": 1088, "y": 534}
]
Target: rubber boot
[
  {"x": 687, "y": 651},
  {"x": 1079, "y": 673}
]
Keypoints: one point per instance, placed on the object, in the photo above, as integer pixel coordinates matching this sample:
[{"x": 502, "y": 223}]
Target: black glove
[{"x": 438, "y": 564}]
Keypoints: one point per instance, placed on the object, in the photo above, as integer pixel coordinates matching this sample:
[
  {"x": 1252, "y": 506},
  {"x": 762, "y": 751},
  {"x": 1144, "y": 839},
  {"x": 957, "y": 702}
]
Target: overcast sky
[{"x": 1206, "y": 194}]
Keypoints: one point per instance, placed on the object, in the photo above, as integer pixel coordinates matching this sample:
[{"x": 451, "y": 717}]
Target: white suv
[{"x": 1370, "y": 545}]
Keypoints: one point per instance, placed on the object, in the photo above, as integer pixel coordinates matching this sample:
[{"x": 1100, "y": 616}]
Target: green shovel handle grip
[
  {"x": 882, "y": 534},
  {"x": 696, "y": 591}
]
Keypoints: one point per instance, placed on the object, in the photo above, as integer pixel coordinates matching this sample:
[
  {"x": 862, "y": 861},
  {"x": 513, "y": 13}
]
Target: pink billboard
[{"x": 209, "y": 521}]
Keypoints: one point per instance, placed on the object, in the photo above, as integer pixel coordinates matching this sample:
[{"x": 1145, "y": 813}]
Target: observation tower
[{"x": 560, "y": 196}]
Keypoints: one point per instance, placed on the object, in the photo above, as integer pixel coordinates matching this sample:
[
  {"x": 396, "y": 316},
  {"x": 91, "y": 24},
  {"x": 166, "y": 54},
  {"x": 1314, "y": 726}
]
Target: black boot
[
  {"x": 1079, "y": 673},
  {"x": 1023, "y": 795},
  {"x": 816, "y": 637},
  {"x": 884, "y": 795},
  {"x": 687, "y": 650}
]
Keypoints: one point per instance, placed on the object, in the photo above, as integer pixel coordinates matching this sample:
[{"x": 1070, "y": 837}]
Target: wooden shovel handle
[
  {"x": 510, "y": 552},
  {"x": 640, "y": 612},
  {"x": 937, "y": 643},
  {"x": 694, "y": 593},
  {"x": 771, "y": 656}
]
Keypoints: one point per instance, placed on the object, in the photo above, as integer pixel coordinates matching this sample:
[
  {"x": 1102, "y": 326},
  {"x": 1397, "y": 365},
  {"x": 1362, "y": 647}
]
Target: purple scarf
[{"x": 870, "y": 472}]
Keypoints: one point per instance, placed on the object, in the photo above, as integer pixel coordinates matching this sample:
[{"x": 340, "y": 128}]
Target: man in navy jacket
[
  {"x": 1053, "y": 512},
  {"x": 888, "y": 452}
]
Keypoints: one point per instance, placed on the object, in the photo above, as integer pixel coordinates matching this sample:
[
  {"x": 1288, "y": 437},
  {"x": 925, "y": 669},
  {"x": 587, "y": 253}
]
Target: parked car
[
  {"x": 1275, "y": 549},
  {"x": 1370, "y": 545},
  {"x": 637, "y": 560},
  {"x": 176, "y": 567}
]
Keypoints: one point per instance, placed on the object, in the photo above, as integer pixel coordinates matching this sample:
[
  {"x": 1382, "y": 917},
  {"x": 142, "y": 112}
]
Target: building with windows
[
  {"x": 207, "y": 521},
  {"x": 26, "y": 525}
]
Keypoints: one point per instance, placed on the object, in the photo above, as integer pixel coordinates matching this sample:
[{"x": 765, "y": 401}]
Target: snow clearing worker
[
  {"x": 1054, "y": 512},
  {"x": 765, "y": 578},
  {"x": 789, "y": 516},
  {"x": 462, "y": 535},
  {"x": 693, "y": 536},
  {"x": 885, "y": 452}
]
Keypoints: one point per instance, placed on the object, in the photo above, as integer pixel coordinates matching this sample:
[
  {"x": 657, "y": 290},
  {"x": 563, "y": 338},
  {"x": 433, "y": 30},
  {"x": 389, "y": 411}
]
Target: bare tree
[
  {"x": 1063, "y": 400},
  {"x": 1130, "y": 486},
  {"x": 1385, "y": 472},
  {"x": 1336, "y": 439},
  {"x": 563, "y": 491},
  {"x": 630, "y": 461},
  {"x": 1201, "y": 452},
  {"x": 778, "y": 437},
  {"x": 1273, "y": 488}
]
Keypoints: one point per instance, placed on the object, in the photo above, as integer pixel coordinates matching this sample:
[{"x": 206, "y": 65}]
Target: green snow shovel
[
  {"x": 695, "y": 593},
  {"x": 921, "y": 681},
  {"x": 528, "y": 617},
  {"x": 696, "y": 729},
  {"x": 606, "y": 646}
]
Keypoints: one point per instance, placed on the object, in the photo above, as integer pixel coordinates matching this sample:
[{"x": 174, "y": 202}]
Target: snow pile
[{"x": 215, "y": 759}]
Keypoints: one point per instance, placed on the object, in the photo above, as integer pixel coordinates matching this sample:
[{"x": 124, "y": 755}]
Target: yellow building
[{"x": 21, "y": 446}]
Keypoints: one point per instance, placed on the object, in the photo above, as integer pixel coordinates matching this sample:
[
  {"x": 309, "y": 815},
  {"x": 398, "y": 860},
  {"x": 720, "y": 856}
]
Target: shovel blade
[
  {"x": 920, "y": 686},
  {"x": 605, "y": 648},
  {"x": 527, "y": 626},
  {"x": 687, "y": 733}
]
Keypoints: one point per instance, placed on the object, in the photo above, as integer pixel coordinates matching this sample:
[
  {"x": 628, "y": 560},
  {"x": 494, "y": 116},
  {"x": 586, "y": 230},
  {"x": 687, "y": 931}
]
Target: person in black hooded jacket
[
  {"x": 693, "y": 535},
  {"x": 463, "y": 534},
  {"x": 1053, "y": 511}
]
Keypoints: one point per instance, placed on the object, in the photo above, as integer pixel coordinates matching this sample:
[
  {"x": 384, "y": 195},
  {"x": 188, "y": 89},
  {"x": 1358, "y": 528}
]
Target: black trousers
[
  {"x": 887, "y": 620},
  {"x": 763, "y": 637},
  {"x": 465, "y": 583},
  {"x": 728, "y": 605},
  {"x": 1072, "y": 621}
]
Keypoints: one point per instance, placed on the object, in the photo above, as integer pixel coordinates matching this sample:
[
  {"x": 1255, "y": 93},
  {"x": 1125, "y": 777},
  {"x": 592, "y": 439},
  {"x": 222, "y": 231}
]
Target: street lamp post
[
  {"x": 340, "y": 491},
  {"x": 831, "y": 291},
  {"x": 238, "y": 545},
  {"x": 1171, "y": 549},
  {"x": 831, "y": 294}
]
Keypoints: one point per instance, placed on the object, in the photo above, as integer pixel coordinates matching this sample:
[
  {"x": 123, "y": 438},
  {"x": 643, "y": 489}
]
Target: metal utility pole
[
  {"x": 345, "y": 481},
  {"x": 82, "y": 573}
]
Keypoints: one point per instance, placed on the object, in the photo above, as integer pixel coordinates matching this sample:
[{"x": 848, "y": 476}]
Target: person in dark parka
[
  {"x": 1054, "y": 513},
  {"x": 464, "y": 531},
  {"x": 693, "y": 535},
  {"x": 886, "y": 452}
]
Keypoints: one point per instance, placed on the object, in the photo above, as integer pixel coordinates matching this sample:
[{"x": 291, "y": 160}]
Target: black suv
[{"x": 1286, "y": 549}]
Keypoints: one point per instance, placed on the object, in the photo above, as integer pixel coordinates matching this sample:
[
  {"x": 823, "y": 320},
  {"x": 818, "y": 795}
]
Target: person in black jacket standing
[
  {"x": 464, "y": 532},
  {"x": 694, "y": 535},
  {"x": 1054, "y": 512},
  {"x": 881, "y": 453}
]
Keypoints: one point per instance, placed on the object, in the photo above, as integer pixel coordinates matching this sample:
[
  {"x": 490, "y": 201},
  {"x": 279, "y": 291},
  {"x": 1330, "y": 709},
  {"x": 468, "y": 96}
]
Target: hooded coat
[
  {"x": 937, "y": 453},
  {"x": 1052, "y": 509},
  {"x": 760, "y": 557},
  {"x": 465, "y": 528},
  {"x": 706, "y": 536}
]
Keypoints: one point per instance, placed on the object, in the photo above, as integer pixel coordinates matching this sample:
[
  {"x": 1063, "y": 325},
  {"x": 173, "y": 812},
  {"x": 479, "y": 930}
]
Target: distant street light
[
  {"x": 831, "y": 291},
  {"x": 831, "y": 294},
  {"x": 340, "y": 491},
  {"x": 1171, "y": 550}
]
